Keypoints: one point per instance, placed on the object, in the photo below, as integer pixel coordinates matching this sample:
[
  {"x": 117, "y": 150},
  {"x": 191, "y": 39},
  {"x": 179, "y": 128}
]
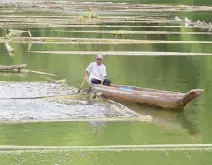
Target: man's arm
[
  {"x": 86, "y": 75},
  {"x": 104, "y": 74},
  {"x": 87, "y": 71}
]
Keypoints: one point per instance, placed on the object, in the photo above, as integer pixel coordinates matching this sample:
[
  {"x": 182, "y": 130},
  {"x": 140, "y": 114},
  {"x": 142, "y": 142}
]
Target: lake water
[{"x": 174, "y": 73}]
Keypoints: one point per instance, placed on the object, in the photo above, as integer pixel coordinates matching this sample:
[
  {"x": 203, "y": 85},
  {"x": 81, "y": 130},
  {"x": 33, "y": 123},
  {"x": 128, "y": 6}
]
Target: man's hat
[{"x": 99, "y": 56}]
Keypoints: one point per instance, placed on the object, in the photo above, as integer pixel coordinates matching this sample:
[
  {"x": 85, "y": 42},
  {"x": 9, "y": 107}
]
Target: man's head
[{"x": 99, "y": 59}]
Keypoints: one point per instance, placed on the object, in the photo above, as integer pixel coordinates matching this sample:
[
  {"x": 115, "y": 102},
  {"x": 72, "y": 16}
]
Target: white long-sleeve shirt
[{"x": 96, "y": 71}]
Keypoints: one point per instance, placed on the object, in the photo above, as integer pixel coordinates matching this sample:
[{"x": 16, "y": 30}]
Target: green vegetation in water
[
  {"x": 93, "y": 133},
  {"x": 89, "y": 15}
]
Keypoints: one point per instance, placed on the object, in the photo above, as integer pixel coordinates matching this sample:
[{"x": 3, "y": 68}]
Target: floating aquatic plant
[
  {"x": 16, "y": 33},
  {"x": 119, "y": 31},
  {"x": 188, "y": 22},
  {"x": 89, "y": 15}
]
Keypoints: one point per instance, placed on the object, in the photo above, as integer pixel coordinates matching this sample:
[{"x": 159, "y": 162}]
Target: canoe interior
[{"x": 143, "y": 89}]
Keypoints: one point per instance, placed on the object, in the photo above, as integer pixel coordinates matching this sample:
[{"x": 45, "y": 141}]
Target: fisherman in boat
[{"x": 96, "y": 72}]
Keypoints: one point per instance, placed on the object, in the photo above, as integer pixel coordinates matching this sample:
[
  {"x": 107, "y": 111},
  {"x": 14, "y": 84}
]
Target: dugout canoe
[{"x": 154, "y": 97}]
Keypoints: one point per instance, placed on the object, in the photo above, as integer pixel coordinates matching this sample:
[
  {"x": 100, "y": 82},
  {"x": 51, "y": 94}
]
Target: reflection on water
[
  {"x": 182, "y": 120},
  {"x": 107, "y": 157}
]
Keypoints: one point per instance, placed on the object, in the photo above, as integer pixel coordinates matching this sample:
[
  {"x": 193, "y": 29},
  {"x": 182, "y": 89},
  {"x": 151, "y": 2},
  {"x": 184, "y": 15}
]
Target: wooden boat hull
[{"x": 159, "y": 98}]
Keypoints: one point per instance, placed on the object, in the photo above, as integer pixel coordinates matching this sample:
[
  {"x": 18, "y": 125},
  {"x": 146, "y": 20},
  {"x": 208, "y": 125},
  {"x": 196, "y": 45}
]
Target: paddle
[{"x": 81, "y": 85}]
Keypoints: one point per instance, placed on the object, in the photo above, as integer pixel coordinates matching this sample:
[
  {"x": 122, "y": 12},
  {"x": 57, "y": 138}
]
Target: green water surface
[{"x": 175, "y": 73}]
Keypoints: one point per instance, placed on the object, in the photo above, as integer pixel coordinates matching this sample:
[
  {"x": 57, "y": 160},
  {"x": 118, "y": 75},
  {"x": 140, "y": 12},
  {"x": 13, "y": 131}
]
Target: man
[{"x": 96, "y": 72}]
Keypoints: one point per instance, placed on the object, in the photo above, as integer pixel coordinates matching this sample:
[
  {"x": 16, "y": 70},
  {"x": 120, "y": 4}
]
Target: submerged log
[
  {"x": 22, "y": 69},
  {"x": 12, "y": 67}
]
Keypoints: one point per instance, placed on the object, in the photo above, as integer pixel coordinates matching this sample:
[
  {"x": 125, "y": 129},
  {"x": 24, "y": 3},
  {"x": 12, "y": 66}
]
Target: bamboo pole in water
[
  {"x": 65, "y": 17},
  {"x": 93, "y": 40},
  {"x": 38, "y": 72},
  {"x": 37, "y": 24},
  {"x": 122, "y": 53},
  {"x": 32, "y": 18},
  {"x": 81, "y": 17},
  {"x": 144, "y": 147},
  {"x": 93, "y": 21},
  {"x": 134, "y": 32},
  {"x": 113, "y": 42}
]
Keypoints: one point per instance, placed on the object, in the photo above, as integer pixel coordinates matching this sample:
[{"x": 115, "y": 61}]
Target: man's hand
[
  {"x": 102, "y": 81},
  {"x": 86, "y": 78}
]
